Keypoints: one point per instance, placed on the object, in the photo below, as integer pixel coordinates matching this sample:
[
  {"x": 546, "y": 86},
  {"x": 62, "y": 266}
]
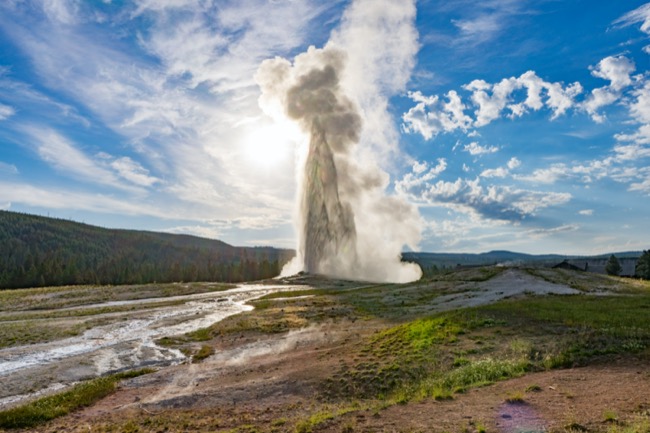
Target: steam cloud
[{"x": 348, "y": 226}]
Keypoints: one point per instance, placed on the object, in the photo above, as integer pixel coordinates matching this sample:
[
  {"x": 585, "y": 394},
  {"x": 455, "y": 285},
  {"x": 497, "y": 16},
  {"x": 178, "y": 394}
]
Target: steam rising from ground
[{"x": 348, "y": 226}]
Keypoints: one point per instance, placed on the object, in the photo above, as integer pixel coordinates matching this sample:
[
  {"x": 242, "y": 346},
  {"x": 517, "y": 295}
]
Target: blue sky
[{"x": 509, "y": 124}]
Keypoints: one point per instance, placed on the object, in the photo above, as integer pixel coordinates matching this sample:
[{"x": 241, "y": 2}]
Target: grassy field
[{"x": 55, "y": 406}]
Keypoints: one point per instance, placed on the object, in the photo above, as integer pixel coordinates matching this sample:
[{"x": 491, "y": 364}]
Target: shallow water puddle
[{"x": 519, "y": 418}]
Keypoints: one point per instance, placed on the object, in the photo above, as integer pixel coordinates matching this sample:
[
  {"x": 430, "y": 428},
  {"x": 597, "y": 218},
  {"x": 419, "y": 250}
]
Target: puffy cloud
[
  {"x": 475, "y": 149},
  {"x": 495, "y": 172},
  {"x": 615, "y": 69},
  {"x": 513, "y": 163},
  {"x": 599, "y": 98},
  {"x": 430, "y": 116},
  {"x": 490, "y": 105},
  {"x": 469, "y": 196},
  {"x": 502, "y": 172},
  {"x": 586, "y": 212},
  {"x": 491, "y": 101},
  {"x": 636, "y": 145},
  {"x": 419, "y": 176},
  {"x": 642, "y": 186}
]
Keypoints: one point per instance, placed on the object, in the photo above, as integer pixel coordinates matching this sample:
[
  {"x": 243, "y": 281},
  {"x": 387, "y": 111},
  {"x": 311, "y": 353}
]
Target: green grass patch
[
  {"x": 30, "y": 332},
  {"x": 321, "y": 417},
  {"x": 437, "y": 356},
  {"x": 48, "y": 408},
  {"x": 204, "y": 352}
]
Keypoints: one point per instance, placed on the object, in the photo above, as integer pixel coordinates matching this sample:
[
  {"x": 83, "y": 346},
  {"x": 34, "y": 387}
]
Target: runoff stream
[{"x": 32, "y": 370}]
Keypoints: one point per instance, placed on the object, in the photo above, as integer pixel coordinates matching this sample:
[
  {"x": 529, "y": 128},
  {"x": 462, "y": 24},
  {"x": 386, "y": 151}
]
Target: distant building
[{"x": 566, "y": 265}]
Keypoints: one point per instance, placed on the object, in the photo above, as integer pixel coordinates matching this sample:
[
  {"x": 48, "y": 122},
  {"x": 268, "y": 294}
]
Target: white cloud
[
  {"x": 495, "y": 172},
  {"x": 419, "y": 176},
  {"x": 643, "y": 186},
  {"x": 599, "y": 98},
  {"x": 586, "y": 212},
  {"x": 133, "y": 172},
  {"x": 484, "y": 202},
  {"x": 475, "y": 149},
  {"x": 491, "y": 101},
  {"x": 490, "y": 106},
  {"x": 513, "y": 163},
  {"x": 638, "y": 15},
  {"x": 502, "y": 172},
  {"x": 6, "y": 111},
  {"x": 635, "y": 146},
  {"x": 61, "y": 11},
  {"x": 615, "y": 69},
  {"x": 62, "y": 155},
  {"x": 430, "y": 116},
  {"x": 540, "y": 233},
  {"x": 547, "y": 175}
]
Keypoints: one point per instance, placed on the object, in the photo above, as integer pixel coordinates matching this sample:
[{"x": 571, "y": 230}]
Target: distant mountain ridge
[
  {"x": 42, "y": 251},
  {"x": 450, "y": 260}
]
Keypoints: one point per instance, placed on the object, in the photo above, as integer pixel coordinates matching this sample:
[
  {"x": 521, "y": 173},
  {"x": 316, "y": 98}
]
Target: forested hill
[{"x": 40, "y": 251}]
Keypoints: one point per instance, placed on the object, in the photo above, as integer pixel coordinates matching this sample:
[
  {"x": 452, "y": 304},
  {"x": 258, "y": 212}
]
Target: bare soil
[{"x": 243, "y": 385}]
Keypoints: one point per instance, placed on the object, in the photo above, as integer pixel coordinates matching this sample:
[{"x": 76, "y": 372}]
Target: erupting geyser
[
  {"x": 334, "y": 189},
  {"x": 328, "y": 224}
]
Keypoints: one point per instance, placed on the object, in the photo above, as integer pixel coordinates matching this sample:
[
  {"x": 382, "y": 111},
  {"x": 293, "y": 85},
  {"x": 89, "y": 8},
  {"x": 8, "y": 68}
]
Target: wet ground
[{"x": 127, "y": 342}]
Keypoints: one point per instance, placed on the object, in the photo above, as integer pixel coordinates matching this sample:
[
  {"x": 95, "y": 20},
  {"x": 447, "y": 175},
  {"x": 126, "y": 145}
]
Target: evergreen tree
[
  {"x": 643, "y": 266},
  {"x": 613, "y": 266}
]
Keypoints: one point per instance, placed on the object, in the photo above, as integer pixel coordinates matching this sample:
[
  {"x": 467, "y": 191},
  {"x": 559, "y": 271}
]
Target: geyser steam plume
[{"x": 335, "y": 191}]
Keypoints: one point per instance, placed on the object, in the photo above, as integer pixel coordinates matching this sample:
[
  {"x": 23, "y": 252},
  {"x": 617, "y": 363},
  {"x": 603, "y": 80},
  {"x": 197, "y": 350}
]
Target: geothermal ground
[{"x": 485, "y": 349}]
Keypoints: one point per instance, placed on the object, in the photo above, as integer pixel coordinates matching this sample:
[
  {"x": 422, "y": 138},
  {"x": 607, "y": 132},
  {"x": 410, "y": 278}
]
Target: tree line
[
  {"x": 642, "y": 269},
  {"x": 37, "y": 251}
]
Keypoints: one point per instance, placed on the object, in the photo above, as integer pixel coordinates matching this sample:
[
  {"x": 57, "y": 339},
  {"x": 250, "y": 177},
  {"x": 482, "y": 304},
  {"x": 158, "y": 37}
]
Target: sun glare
[{"x": 270, "y": 145}]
